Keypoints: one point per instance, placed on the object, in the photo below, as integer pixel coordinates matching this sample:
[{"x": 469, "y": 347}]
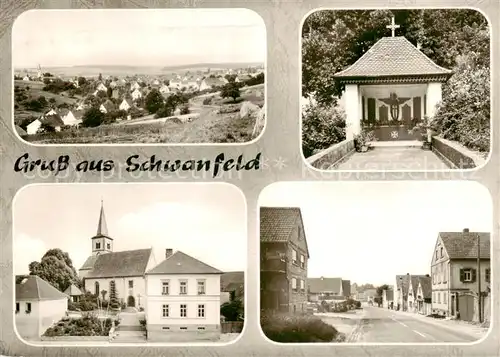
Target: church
[
  {"x": 126, "y": 269},
  {"x": 391, "y": 88}
]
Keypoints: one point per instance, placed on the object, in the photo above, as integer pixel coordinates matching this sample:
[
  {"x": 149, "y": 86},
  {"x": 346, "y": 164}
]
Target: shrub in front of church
[
  {"x": 297, "y": 328},
  {"x": 322, "y": 127},
  {"x": 87, "y": 325},
  {"x": 88, "y": 302}
]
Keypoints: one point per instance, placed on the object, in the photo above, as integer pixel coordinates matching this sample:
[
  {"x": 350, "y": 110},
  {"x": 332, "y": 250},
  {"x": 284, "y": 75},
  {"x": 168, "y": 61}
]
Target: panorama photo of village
[
  {"x": 380, "y": 262},
  {"x": 396, "y": 89},
  {"x": 106, "y": 270},
  {"x": 164, "y": 76}
]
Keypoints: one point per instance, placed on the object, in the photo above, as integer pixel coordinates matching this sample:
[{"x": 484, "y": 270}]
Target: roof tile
[
  {"x": 463, "y": 245},
  {"x": 181, "y": 263},
  {"x": 119, "y": 264}
]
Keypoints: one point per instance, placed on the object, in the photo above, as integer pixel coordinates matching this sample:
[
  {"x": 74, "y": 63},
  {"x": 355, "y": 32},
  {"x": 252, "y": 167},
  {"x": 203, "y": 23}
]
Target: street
[{"x": 383, "y": 325}]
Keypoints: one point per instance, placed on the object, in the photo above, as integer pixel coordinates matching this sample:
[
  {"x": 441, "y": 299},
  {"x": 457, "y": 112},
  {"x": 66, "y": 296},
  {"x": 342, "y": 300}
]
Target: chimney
[
  {"x": 427, "y": 276},
  {"x": 168, "y": 253},
  {"x": 466, "y": 230}
]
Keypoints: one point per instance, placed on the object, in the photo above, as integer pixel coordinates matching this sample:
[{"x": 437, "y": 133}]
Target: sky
[
  {"x": 369, "y": 232},
  {"x": 205, "y": 221},
  {"x": 159, "y": 37}
]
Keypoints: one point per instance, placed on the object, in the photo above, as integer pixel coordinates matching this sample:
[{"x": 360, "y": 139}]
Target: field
[{"x": 216, "y": 124}]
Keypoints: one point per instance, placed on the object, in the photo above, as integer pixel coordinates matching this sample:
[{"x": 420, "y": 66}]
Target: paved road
[{"x": 383, "y": 325}]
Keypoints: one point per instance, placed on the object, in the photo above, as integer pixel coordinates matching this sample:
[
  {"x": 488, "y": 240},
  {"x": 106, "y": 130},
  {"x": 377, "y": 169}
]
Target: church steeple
[
  {"x": 102, "y": 228},
  {"x": 101, "y": 242}
]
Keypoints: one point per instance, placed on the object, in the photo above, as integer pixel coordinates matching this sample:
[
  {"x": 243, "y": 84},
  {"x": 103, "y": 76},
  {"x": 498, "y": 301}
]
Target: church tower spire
[
  {"x": 101, "y": 242},
  {"x": 102, "y": 228}
]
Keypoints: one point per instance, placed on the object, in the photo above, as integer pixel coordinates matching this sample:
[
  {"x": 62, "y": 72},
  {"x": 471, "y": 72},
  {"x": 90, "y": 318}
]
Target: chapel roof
[
  {"x": 463, "y": 245},
  {"x": 33, "y": 287},
  {"x": 278, "y": 223},
  {"x": 181, "y": 263},
  {"x": 118, "y": 264},
  {"x": 391, "y": 57}
]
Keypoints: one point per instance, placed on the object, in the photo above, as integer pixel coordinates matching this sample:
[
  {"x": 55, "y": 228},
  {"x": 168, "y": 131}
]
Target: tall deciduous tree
[
  {"x": 56, "y": 268},
  {"x": 154, "y": 101}
]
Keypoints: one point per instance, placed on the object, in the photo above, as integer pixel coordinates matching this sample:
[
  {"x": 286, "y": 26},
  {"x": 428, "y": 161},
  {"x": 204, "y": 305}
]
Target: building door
[
  {"x": 466, "y": 307},
  {"x": 131, "y": 301}
]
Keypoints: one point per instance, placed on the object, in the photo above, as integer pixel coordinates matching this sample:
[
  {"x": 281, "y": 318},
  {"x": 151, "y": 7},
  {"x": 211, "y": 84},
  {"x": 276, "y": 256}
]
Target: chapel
[{"x": 390, "y": 88}]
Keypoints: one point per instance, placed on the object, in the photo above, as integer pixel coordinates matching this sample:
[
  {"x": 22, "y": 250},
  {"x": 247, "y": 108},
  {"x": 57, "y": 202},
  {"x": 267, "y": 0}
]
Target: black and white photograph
[
  {"x": 375, "y": 262},
  {"x": 173, "y": 76},
  {"x": 395, "y": 89},
  {"x": 103, "y": 264}
]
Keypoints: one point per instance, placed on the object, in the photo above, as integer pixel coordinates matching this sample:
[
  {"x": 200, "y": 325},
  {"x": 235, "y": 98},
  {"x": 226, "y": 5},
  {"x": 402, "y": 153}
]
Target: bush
[
  {"x": 464, "y": 113},
  {"x": 322, "y": 127},
  {"x": 88, "y": 302},
  {"x": 297, "y": 328},
  {"x": 207, "y": 101},
  {"x": 88, "y": 325}
]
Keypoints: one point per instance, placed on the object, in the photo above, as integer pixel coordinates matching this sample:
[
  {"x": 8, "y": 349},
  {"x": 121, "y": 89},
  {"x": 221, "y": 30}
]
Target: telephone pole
[{"x": 479, "y": 295}]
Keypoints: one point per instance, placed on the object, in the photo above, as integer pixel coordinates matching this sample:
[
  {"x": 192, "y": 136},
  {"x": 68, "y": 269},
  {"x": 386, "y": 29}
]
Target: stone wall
[
  {"x": 331, "y": 156},
  {"x": 456, "y": 155}
]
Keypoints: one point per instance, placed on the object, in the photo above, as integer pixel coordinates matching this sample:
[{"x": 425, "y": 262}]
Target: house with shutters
[
  {"x": 284, "y": 259},
  {"x": 390, "y": 88},
  {"x": 183, "y": 299},
  {"x": 125, "y": 269},
  {"x": 459, "y": 260},
  {"x": 38, "y": 306}
]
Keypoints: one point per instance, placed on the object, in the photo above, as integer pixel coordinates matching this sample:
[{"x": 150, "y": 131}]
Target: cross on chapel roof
[{"x": 393, "y": 26}]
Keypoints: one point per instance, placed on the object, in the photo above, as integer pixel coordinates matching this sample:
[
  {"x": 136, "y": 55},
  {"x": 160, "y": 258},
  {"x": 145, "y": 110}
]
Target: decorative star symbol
[
  {"x": 265, "y": 163},
  {"x": 280, "y": 163},
  {"x": 394, "y": 134}
]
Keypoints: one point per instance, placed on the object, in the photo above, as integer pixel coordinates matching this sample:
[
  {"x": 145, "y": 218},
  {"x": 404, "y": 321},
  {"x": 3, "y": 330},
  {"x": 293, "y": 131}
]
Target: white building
[
  {"x": 101, "y": 87},
  {"x": 33, "y": 127},
  {"x": 38, "y": 306},
  {"x": 127, "y": 268},
  {"x": 69, "y": 118},
  {"x": 136, "y": 94},
  {"x": 164, "y": 89},
  {"x": 183, "y": 299},
  {"x": 125, "y": 105},
  {"x": 135, "y": 86}
]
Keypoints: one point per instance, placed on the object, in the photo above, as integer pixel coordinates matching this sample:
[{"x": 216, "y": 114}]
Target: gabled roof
[
  {"x": 278, "y": 223},
  {"x": 181, "y": 263},
  {"x": 463, "y": 245},
  {"x": 393, "y": 56},
  {"x": 414, "y": 282},
  {"x": 323, "y": 285},
  {"x": 118, "y": 264},
  {"x": 35, "y": 288},
  {"x": 72, "y": 290},
  {"x": 54, "y": 120},
  {"x": 232, "y": 277},
  {"x": 426, "y": 283},
  {"x": 403, "y": 283}
]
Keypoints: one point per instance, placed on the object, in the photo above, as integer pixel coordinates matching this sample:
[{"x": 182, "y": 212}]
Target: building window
[
  {"x": 201, "y": 310},
  {"x": 201, "y": 287},
  {"x": 439, "y": 298},
  {"x": 302, "y": 285},
  {"x": 445, "y": 298},
  {"x": 96, "y": 288},
  {"x": 17, "y": 307},
  {"x": 441, "y": 252},
  {"x": 183, "y": 288},
  {"x": 294, "y": 284},
  {"x": 487, "y": 275},
  {"x": 98, "y": 245},
  {"x": 28, "y": 307},
  {"x": 130, "y": 284},
  {"x": 466, "y": 275},
  {"x": 165, "y": 311},
  {"x": 165, "y": 288},
  {"x": 183, "y": 310},
  {"x": 302, "y": 261},
  {"x": 109, "y": 245},
  {"x": 294, "y": 256}
]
